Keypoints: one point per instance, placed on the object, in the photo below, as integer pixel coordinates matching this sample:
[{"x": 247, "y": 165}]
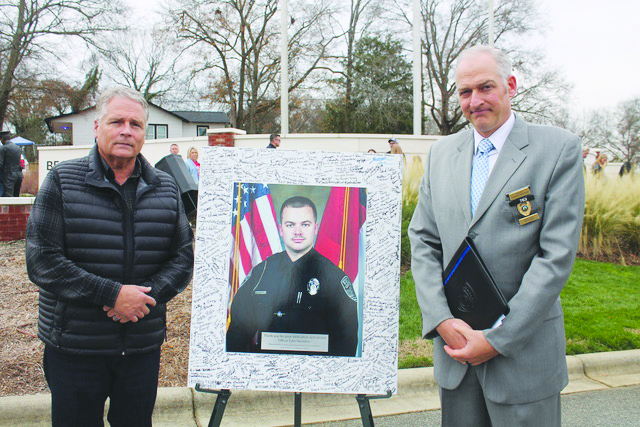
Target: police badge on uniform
[
  {"x": 313, "y": 286},
  {"x": 521, "y": 199}
]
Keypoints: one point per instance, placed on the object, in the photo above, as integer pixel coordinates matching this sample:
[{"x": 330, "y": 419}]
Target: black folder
[{"x": 471, "y": 292}]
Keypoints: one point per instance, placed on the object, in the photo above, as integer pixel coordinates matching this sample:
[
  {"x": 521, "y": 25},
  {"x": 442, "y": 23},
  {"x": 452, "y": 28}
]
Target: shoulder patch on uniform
[{"x": 348, "y": 288}]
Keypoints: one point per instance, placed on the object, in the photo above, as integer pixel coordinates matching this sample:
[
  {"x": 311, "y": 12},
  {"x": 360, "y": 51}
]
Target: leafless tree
[
  {"x": 451, "y": 26},
  {"x": 237, "y": 43},
  {"x": 617, "y": 130},
  {"x": 35, "y": 29},
  {"x": 626, "y": 141},
  {"x": 150, "y": 62}
]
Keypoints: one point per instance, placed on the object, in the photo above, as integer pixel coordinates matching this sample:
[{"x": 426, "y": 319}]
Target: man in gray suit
[{"x": 517, "y": 190}]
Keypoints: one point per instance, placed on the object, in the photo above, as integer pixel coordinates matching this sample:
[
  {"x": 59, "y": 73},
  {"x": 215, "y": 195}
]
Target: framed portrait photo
[{"x": 297, "y": 267}]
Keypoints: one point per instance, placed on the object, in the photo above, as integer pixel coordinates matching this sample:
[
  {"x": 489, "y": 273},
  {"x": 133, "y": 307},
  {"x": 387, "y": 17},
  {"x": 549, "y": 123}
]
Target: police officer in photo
[{"x": 298, "y": 291}]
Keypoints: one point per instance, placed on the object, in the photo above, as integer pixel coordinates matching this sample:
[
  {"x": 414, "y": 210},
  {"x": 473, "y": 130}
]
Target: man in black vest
[
  {"x": 109, "y": 245},
  {"x": 296, "y": 301}
]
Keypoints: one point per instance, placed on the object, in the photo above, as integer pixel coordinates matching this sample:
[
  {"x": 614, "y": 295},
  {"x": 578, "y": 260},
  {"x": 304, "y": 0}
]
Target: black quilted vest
[{"x": 101, "y": 239}]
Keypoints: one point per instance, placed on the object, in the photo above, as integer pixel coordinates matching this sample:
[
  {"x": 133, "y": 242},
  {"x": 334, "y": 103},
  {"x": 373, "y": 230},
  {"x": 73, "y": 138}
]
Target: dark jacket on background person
[
  {"x": 11, "y": 169},
  {"x": 308, "y": 296},
  {"x": 83, "y": 243}
]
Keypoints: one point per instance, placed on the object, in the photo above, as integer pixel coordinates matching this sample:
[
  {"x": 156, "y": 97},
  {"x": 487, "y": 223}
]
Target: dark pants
[
  {"x": 12, "y": 183},
  {"x": 80, "y": 386},
  {"x": 17, "y": 185}
]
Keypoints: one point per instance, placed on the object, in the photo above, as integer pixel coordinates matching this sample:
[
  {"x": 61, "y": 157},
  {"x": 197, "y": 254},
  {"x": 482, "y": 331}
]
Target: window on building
[
  {"x": 157, "y": 131},
  {"x": 202, "y": 130}
]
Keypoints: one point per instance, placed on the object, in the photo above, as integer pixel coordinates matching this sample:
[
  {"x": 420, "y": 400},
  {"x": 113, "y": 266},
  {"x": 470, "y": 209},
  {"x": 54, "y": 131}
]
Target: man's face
[
  {"x": 121, "y": 131},
  {"x": 298, "y": 229},
  {"x": 484, "y": 99},
  {"x": 174, "y": 149},
  {"x": 276, "y": 141}
]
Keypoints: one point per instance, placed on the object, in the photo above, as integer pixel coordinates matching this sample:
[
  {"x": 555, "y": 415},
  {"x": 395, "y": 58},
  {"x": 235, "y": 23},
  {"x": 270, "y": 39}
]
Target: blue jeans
[{"x": 80, "y": 385}]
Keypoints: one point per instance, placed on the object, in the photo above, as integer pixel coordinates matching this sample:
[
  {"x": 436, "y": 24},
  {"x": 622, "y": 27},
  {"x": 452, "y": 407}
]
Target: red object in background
[{"x": 339, "y": 234}]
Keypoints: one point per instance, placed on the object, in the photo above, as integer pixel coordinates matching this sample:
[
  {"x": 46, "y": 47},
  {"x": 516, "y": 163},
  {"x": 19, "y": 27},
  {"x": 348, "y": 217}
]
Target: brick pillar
[
  {"x": 223, "y": 136},
  {"x": 13, "y": 217}
]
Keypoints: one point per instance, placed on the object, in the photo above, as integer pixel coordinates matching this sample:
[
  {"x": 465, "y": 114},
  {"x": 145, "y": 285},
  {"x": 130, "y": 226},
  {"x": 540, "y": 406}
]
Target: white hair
[
  {"x": 504, "y": 63},
  {"x": 120, "y": 92}
]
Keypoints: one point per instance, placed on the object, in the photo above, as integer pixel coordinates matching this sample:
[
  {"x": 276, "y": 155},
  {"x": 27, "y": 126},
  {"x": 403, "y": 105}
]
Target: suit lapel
[
  {"x": 509, "y": 160},
  {"x": 460, "y": 173}
]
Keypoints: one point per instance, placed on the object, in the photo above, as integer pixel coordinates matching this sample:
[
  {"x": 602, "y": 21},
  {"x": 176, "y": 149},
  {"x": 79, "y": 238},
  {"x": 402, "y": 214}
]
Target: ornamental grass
[{"x": 611, "y": 227}]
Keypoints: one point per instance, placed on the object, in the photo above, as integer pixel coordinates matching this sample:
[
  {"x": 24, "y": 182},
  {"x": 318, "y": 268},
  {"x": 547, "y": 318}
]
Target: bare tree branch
[{"x": 33, "y": 28}]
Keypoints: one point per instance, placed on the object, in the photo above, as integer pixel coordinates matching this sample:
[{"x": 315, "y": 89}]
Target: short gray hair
[
  {"x": 504, "y": 63},
  {"x": 120, "y": 92}
]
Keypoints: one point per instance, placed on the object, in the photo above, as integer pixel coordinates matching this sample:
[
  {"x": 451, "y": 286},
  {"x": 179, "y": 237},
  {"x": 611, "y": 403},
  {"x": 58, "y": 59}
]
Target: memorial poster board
[{"x": 297, "y": 266}]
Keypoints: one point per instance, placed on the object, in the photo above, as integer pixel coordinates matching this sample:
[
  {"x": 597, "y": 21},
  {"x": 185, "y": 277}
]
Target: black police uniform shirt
[{"x": 308, "y": 296}]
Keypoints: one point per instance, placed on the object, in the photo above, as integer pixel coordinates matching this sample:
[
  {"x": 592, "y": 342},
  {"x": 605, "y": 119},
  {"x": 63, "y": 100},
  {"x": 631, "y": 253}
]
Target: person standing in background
[
  {"x": 3, "y": 135},
  {"x": 11, "y": 167},
  {"x": 192, "y": 164},
  {"x": 274, "y": 141}
]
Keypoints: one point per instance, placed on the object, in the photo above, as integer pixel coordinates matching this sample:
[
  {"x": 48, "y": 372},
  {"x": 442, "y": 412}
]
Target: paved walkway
[
  {"x": 614, "y": 407},
  {"x": 603, "y": 390}
]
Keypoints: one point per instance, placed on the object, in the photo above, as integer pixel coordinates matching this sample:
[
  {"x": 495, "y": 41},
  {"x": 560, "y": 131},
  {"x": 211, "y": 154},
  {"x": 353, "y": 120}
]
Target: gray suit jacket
[{"x": 530, "y": 263}]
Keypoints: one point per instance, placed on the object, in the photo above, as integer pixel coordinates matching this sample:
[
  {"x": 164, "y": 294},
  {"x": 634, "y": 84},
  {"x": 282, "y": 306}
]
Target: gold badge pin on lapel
[{"x": 521, "y": 199}]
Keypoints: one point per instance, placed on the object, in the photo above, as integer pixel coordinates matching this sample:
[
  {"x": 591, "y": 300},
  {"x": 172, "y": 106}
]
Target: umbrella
[{"x": 174, "y": 165}]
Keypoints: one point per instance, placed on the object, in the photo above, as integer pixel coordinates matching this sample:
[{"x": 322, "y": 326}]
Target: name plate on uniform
[{"x": 318, "y": 343}]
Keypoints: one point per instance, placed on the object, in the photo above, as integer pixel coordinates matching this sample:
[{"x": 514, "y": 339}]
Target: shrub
[
  {"x": 411, "y": 181},
  {"x": 611, "y": 224},
  {"x": 410, "y": 186},
  {"x": 405, "y": 246},
  {"x": 30, "y": 181}
]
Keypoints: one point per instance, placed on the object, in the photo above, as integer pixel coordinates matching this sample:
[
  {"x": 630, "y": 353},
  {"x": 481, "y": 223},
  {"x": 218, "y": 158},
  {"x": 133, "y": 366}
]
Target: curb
[{"x": 417, "y": 391}]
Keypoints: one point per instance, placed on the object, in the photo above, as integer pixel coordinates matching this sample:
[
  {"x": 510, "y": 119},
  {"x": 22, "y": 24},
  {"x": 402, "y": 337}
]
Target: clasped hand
[
  {"x": 132, "y": 304},
  {"x": 464, "y": 344}
]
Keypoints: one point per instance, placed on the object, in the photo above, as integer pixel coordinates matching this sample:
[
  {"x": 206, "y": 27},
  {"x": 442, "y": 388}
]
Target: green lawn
[{"x": 601, "y": 304}]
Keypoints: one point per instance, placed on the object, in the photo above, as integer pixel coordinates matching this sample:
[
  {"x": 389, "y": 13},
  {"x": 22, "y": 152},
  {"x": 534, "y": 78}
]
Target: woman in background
[{"x": 193, "y": 165}]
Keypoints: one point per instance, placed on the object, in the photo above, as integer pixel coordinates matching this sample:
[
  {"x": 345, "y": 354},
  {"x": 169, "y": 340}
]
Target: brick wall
[
  {"x": 224, "y": 139},
  {"x": 223, "y": 136},
  {"x": 13, "y": 221}
]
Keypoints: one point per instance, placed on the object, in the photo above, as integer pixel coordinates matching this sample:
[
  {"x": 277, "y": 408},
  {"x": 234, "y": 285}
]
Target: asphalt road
[{"x": 616, "y": 407}]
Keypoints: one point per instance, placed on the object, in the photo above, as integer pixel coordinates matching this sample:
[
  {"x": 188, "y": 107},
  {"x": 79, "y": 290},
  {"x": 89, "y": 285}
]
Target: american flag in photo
[{"x": 254, "y": 231}]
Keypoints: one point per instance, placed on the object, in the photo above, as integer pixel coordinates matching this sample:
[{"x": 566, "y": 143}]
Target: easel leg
[
  {"x": 365, "y": 410},
  {"x": 219, "y": 407},
  {"x": 297, "y": 409}
]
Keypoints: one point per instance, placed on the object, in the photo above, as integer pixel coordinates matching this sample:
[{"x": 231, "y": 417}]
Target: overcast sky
[{"x": 595, "y": 44}]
